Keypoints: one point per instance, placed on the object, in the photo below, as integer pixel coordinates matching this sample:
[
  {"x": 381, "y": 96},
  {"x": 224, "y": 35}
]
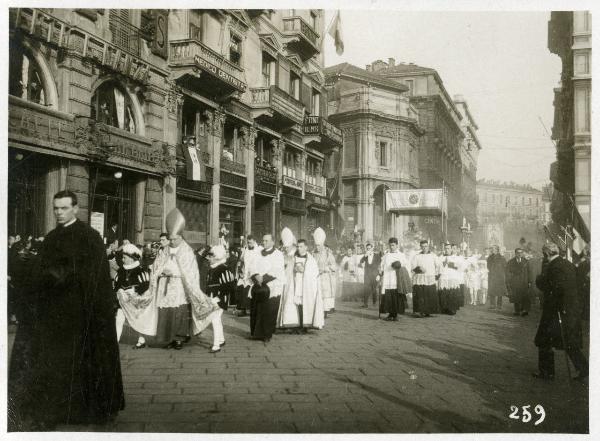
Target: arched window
[
  {"x": 25, "y": 77},
  {"x": 111, "y": 105}
]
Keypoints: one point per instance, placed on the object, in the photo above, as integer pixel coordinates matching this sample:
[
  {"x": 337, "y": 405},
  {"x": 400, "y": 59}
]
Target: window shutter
[{"x": 306, "y": 96}]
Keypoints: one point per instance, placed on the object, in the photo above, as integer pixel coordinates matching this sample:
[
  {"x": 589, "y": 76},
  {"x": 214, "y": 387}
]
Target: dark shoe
[
  {"x": 178, "y": 345},
  {"x": 222, "y": 344},
  {"x": 543, "y": 376},
  {"x": 364, "y": 306},
  {"x": 187, "y": 339},
  {"x": 139, "y": 346},
  {"x": 332, "y": 310},
  {"x": 416, "y": 315},
  {"x": 524, "y": 313},
  {"x": 516, "y": 313},
  {"x": 170, "y": 345},
  {"x": 214, "y": 351},
  {"x": 266, "y": 339}
]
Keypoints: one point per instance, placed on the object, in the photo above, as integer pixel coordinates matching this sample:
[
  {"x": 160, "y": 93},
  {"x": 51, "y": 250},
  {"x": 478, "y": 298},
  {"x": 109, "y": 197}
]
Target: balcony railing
[
  {"x": 192, "y": 52},
  {"x": 293, "y": 182},
  {"x": 278, "y": 101},
  {"x": 265, "y": 174},
  {"x": 317, "y": 125},
  {"x": 293, "y": 204},
  {"x": 297, "y": 25},
  {"x": 315, "y": 189},
  {"x": 233, "y": 166}
]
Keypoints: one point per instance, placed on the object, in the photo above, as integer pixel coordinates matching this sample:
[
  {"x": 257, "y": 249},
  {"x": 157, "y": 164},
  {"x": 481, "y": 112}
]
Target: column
[
  {"x": 139, "y": 203},
  {"x": 278, "y": 146},
  {"x": 248, "y": 139},
  {"x": 172, "y": 136},
  {"x": 215, "y": 123},
  {"x": 56, "y": 180}
]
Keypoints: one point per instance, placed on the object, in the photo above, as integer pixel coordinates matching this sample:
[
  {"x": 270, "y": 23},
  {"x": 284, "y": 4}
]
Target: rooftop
[
  {"x": 507, "y": 185},
  {"x": 355, "y": 72}
]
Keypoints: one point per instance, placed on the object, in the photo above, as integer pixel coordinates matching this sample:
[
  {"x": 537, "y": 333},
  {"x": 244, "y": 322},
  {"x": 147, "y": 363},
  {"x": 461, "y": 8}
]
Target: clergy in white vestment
[
  {"x": 250, "y": 256},
  {"x": 426, "y": 269},
  {"x": 175, "y": 280},
  {"x": 395, "y": 281},
  {"x": 327, "y": 270},
  {"x": 287, "y": 317},
  {"x": 306, "y": 289},
  {"x": 449, "y": 283},
  {"x": 269, "y": 282}
]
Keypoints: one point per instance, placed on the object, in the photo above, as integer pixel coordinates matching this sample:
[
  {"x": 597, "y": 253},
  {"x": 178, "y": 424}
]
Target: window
[
  {"x": 582, "y": 109},
  {"x": 111, "y": 105},
  {"x": 582, "y": 64},
  {"x": 25, "y": 78},
  {"x": 581, "y": 21},
  {"x": 313, "y": 20},
  {"x": 383, "y": 153},
  {"x": 311, "y": 172},
  {"x": 522, "y": 200},
  {"x": 268, "y": 70},
  {"x": 537, "y": 202},
  {"x": 315, "y": 103},
  {"x": 235, "y": 49},
  {"x": 289, "y": 164},
  {"x": 529, "y": 201},
  {"x": 195, "y": 32},
  {"x": 124, "y": 34},
  {"x": 295, "y": 85},
  {"x": 507, "y": 200},
  {"x": 411, "y": 87},
  {"x": 291, "y": 12}
]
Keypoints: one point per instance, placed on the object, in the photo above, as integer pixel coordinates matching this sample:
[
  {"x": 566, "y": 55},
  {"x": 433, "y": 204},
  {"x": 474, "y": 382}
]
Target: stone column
[
  {"x": 139, "y": 203},
  {"x": 248, "y": 139},
  {"x": 278, "y": 146},
  {"x": 214, "y": 125},
  {"x": 172, "y": 136}
]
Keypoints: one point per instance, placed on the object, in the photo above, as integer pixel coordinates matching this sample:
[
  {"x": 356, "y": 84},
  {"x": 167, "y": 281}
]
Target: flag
[
  {"x": 578, "y": 242},
  {"x": 415, "y": 200},
  {"x": 335, "y": 30}
]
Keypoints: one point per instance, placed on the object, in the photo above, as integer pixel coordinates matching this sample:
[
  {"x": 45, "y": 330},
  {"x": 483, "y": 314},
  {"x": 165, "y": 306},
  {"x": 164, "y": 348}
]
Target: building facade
[
  {"x": 570, "y": 37},
  {"x": 381, "y": 139},
  {"x": 216, "y": 112},
  {"x": 87, "y": 92},
  {"x": 509, "y": 211},
  {"x": 440, "y": 150}
]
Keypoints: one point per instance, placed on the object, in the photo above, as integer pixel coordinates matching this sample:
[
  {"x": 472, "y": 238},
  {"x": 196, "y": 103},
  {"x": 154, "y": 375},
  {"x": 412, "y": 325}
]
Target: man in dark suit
[
  {"x": 496, "y": 277},
  {"x": 517, "y": 282},
  {"x": 560, "y": 302},
  {"x": 370, "y": 262}
]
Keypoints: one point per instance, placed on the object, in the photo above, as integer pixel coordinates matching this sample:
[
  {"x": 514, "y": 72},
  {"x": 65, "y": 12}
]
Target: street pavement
[{"x": 443, "y": 374}]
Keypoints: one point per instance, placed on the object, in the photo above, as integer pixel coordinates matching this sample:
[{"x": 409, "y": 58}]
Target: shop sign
[
  {"x": 219, "y": 73},
  {"x": 97, "y": 222},
  {"x": 27, "y": 122}
]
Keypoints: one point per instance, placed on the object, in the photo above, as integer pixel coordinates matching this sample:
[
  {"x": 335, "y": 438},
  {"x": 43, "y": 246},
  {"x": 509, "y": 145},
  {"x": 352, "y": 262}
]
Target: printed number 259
[{"x": 526, "y": 417}]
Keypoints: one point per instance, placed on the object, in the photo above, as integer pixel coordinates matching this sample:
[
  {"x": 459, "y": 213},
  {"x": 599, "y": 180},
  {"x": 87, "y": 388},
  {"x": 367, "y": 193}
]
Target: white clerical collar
[
  {"x": 131, "y": 265},
  {"x": 71, "y": 222}
]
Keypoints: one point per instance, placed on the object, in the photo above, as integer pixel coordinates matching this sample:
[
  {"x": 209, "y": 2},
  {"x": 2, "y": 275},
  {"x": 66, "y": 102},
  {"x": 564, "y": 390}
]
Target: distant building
[
  {"x": 381, "y": 140},
  {"x": 570, "y": 37},
  {"x": 440, "y": 149}
]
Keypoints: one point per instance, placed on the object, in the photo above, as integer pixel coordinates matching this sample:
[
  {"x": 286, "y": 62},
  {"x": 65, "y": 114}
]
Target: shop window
[
  {"x": 25, "y": 78},
  {"x": 235, "y": 49},
  {"x": 111, "y": 105}
]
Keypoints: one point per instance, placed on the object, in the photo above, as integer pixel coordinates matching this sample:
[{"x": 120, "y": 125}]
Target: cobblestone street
[{"x": 442, "y": 374}]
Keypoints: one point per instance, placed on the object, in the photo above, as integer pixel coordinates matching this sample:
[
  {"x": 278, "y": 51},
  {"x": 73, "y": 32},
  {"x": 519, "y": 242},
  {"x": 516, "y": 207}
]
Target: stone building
[
  {"x": 216, "y": 112},
  {"x": 570, "y": 37},
  {"x": 87, "y": 90},
  {"x": 510, "y": 209},
  {"x": 439, "y": 149},
  {"x": 381, "y": 136}
]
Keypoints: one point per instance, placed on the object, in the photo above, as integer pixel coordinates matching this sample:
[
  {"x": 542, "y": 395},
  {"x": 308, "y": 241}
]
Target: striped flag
[{"x": 335, "y": 30}]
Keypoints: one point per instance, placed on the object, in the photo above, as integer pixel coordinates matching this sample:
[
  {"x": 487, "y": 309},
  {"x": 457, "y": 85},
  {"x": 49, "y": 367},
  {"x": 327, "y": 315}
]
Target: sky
[{"x": 498, "y": 61}]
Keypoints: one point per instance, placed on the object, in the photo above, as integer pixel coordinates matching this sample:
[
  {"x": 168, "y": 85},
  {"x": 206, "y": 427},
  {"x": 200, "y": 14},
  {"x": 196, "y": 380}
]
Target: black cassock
[
  {"x": 221, "y": 284},
  {"x": 71, "y": 368}
]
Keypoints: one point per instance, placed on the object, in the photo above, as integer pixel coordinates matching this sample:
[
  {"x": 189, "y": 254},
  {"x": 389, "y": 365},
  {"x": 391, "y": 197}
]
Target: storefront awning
[{"x": 416, "y": 201}]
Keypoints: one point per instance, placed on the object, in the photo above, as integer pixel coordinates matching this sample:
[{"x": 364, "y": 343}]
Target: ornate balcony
[
  {"x": 315, "y": 189},
  {"x": 318, "y": 129},
  {"x": 192, "y": 58},
  {"x": 233, "y": 166},
  {"x": 293, "y": 204},
  {"x": 275, "y": 108},
  {"x": 304, "y": 41},
  {"x": 293, "y": 182}
]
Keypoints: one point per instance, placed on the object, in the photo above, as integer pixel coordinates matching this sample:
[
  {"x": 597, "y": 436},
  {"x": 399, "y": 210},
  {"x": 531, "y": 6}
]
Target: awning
[{"x": 416, "y": 201}]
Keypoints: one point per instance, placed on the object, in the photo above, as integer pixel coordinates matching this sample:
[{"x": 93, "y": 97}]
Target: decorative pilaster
[
  {"x": 215, "y": 121},
  {"x": 173, "y": 98},
  {"x": 248, "y": 138}
]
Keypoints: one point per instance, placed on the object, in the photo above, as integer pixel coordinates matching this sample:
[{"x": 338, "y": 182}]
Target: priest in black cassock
[{"x": 73, "y": 371}]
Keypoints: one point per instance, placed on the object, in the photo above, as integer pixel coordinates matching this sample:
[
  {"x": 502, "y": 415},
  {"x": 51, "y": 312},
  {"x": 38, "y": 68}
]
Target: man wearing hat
[
  {"x": 182, "y": 306},
  {"x": 327, "y": 268},
  {"x": 426, "y": 270}
]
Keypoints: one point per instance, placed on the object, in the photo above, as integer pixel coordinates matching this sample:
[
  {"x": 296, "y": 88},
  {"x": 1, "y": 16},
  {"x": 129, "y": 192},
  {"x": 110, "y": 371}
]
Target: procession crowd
[{"x": 72, "y": 296}]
